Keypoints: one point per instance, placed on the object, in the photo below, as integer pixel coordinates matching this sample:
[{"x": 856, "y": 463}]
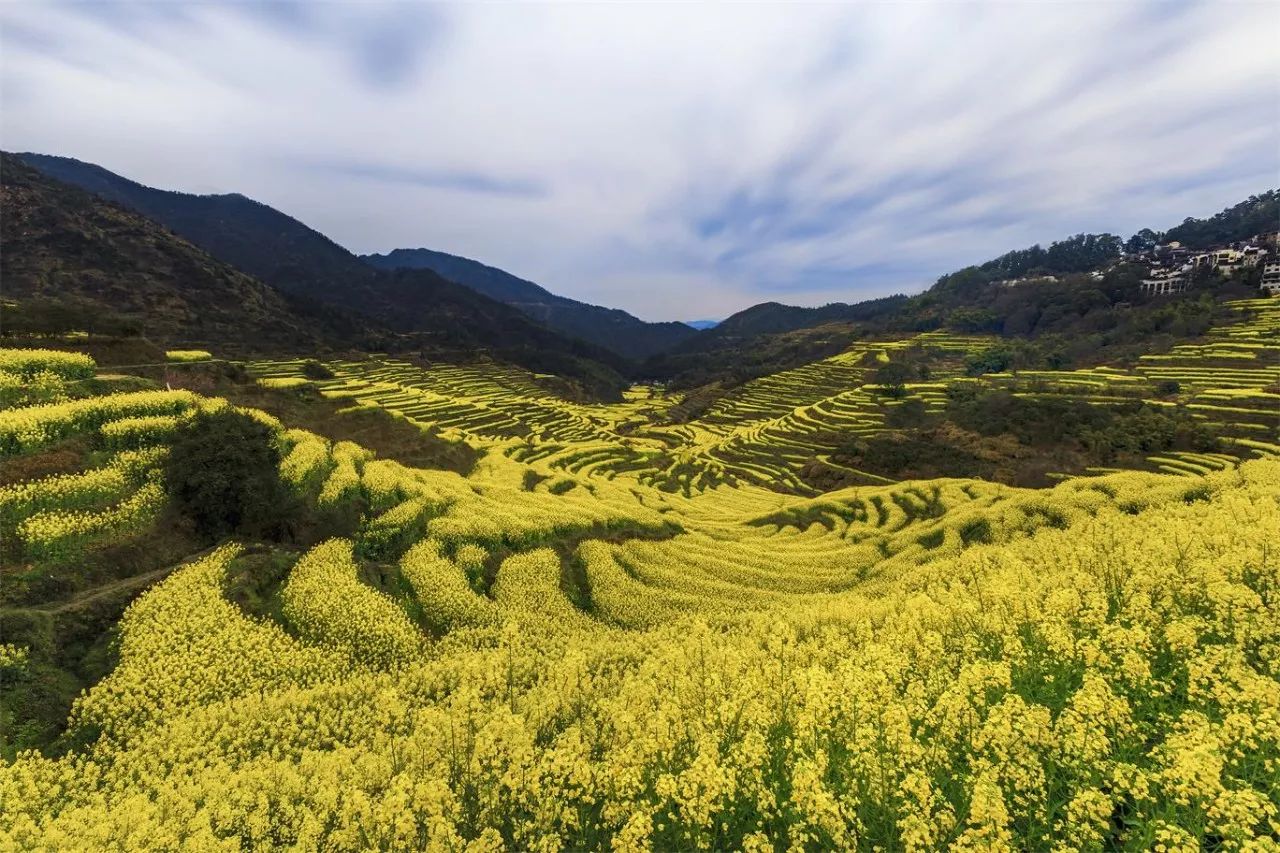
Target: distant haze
[{"x": 671, "y": 160}]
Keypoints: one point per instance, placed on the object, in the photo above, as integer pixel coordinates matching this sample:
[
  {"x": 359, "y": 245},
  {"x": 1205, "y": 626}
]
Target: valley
[{"x": 513, "y": 619}]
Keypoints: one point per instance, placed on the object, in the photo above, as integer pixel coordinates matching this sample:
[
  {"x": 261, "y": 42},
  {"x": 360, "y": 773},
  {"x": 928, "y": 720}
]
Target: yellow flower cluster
[
  {"x": 88, "y": 490},
  {"x": 503, "y": 515},
  {"x": 395, "y": 530},
  {"x": 281, "y": 382},
  {"x": 29, "y": 362},
  {"x": 344, "y": 479},
  {"x": 528, "y": 589},
  {"x": 447, "y": 600},
  {"x": 45, "y": 386},
  {"x": 187, "y": 355},
  {"x": 13, "y": 657},
  {"x": 307, "y": 463},
  {"x": 31, "y": 427},
  {"x": 184, "y": 647},
  {"x": 328, "y": 604},
  {"x": 131, "y": 433},
  {"x": 916, "y": 666},
  {"x": 1020, "y": 694},
  {"x": 58, "y": 535}
]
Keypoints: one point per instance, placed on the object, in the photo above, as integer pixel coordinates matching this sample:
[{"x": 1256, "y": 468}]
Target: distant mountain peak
[
  {"x": 419, "y": 307},
  {"x": 611, "y": 328}
]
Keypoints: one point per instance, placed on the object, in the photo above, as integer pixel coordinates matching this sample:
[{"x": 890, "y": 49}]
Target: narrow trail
[{"x": 141, "y": 581}]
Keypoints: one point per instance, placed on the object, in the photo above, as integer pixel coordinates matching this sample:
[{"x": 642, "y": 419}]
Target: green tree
[
  {"x": 223, "y": 472},
  {"x": 893, "y": 378},
  {"x": 313, "y": 369}
]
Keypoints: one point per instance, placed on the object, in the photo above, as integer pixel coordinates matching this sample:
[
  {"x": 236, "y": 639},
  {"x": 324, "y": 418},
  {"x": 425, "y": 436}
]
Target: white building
[
  {"x": 1163, "y": 282},
  {"x": 1271, "y": 279}
]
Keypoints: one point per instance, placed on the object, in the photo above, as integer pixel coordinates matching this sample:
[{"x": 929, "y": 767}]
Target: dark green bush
[
  {"x": 893, "y": 378},
  {"x": 313, "y": 369},
  {"x": 223, "y": 473}
]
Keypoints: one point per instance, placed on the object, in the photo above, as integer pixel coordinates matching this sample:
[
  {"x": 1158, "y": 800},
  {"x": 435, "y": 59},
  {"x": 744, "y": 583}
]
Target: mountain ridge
[
  {"x": 447, "y": 319},
  {"x": 611, "y": 328},
  {"x": 69, "y": 254}
]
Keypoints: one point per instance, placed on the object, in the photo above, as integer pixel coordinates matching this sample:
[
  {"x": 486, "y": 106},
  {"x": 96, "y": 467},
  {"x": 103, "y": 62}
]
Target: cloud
[
  {"x": 672, "y": 160},
  {"x": 463, "y": 181}
]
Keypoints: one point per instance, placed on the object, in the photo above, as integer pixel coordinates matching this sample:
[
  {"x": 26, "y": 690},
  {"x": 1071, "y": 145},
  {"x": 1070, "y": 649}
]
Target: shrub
[
  {"x": 223, "y": 473},
  {"x": 893, "y": 378},
  {"x": 908, "y": 414},
  {"x": 313, "y": 369}
]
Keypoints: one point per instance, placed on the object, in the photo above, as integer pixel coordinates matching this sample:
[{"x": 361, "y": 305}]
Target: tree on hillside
[
  {"x": 1255, "y": 215},
  {"x": 223, "y": 473},
  {"x": 1144, "y": 241},
  {"x": 893, "y": 378}
]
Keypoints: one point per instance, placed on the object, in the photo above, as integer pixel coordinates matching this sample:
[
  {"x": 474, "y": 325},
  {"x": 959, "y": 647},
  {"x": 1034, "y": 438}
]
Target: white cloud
[{"x": 673, "y": 160}]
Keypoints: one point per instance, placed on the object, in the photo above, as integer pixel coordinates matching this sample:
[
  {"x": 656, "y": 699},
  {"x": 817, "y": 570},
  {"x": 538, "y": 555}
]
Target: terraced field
[
  {"x": 767, "y": 430},
  {"x": 623, "y": 633},
  {"x": 1231, "y": 382},
  {"x": 760, "y": 433}
]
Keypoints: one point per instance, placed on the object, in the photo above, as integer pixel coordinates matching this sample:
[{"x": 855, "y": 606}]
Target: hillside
[
  {"x": 289, "y": 637},
  {"x": 774, "y": 317},
  {"x": 1254, "y": 215},
  {"x": 71, "y": 259},
  {"x": 768, "y": 338},
  {"x": 610, "y": 328},
  {"x": 442, "y": 318},
  {"x": 251, "y": 236},
  {"x": 1079, "y": 301}
]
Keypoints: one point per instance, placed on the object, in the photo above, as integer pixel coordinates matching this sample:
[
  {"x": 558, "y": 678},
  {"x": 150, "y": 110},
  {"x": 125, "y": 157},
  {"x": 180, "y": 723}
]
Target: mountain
[
  {"x": 701, "y": 325},
  {"x": 1257, "y": 214},
  {"x": 767, "y": 338},
  {"x": 1079, "y": 301},
  {"x": 445, "y": 319},
  {"x": 72, "y": 258},
  {"x": 774, "y": 317},
  {"x": 610, "y": 328},
  {"x": 251, "y": 236}
]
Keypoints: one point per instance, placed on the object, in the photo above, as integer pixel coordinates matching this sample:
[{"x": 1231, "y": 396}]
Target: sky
[{"x": 680, "y": 161}]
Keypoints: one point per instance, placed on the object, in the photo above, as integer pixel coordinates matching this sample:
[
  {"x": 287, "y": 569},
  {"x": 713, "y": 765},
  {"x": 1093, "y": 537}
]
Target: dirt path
[
  {"x": 116, "y": 586},
  {"x": 102, "y": 591}
]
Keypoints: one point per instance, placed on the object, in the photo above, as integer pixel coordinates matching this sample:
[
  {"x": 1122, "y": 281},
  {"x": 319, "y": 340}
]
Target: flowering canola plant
[
  {"x": 187, "y": 355},
  {"x": 582, "y": 659},
  {"x": 1109, "y": 683}
]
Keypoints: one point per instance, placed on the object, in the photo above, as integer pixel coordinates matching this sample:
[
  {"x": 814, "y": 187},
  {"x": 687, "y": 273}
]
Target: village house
[
  {"x": 1165, "y": 281},
  {"x": 1251, "y": 256},
  {"x": 1172, "y": 265},
  {"x": 1271, "y": 279}
]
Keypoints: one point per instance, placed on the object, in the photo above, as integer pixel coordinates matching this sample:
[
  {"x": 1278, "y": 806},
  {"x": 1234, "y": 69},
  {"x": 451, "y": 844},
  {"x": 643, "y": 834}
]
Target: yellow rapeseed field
[{"x": 589, "y": 659}]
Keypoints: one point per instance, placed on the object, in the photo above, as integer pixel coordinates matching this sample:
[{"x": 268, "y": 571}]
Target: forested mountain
[
  {"x": 771, "y": 317},
  {"x": 293, "y": 257},
  {"x": 1078, "y": 300},
  {"x": 75, "y": 260},
  {"x": 611, "y": 328},
  {"x": 1075, "y": 297},
  {"x": 441, "y": 318},
  {"x": 1080, "y": 253},
  {"x": 1255, "y": 215},
  {"x": 769, "y": 337},
  {"x": 255, "y": 238}
]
